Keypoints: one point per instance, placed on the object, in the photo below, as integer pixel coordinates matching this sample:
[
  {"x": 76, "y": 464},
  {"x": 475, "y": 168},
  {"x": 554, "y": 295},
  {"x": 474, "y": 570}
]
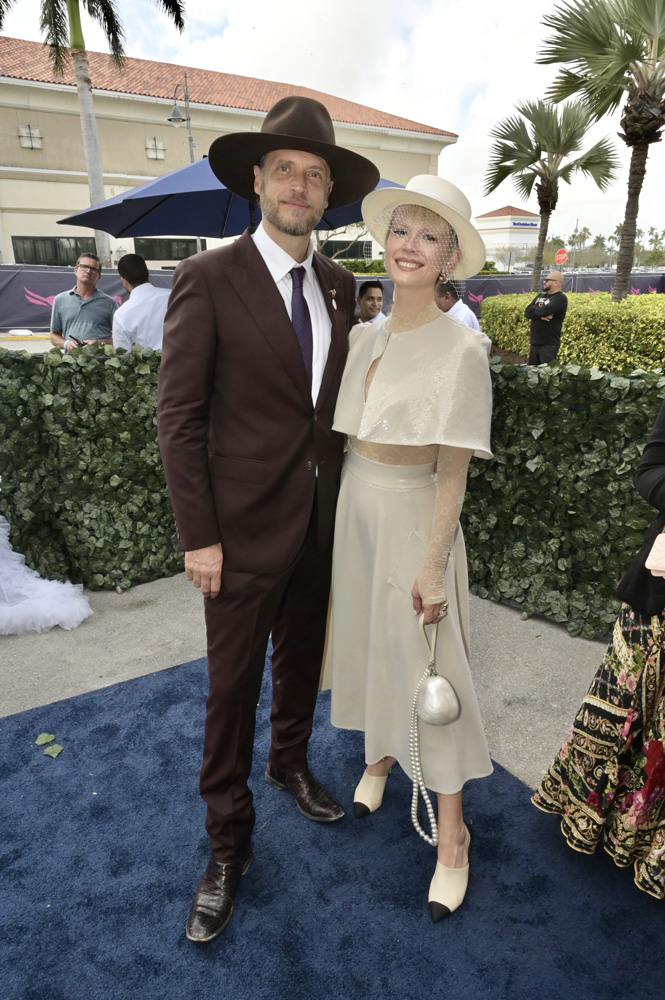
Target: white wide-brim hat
[{"x": 442, "y": 198}]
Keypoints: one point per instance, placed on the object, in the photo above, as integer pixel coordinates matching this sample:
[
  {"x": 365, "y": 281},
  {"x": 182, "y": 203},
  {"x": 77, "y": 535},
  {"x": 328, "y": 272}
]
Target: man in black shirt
[{"x": 546, "y": 313}]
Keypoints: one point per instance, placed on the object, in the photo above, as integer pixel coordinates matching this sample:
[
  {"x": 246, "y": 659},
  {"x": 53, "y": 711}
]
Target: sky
[{"x": 458, "y": 65}]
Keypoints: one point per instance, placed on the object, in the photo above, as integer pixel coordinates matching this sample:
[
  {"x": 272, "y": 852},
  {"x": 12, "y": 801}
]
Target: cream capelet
[{"x": 432, "y": 386}]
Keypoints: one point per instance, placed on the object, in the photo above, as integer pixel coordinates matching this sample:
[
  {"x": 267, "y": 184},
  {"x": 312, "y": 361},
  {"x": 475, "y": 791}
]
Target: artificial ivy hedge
[
  {"x": 551, "y": 522},
  {"x": 617, "y": 336},
  {"x": 82, "y": 481}
]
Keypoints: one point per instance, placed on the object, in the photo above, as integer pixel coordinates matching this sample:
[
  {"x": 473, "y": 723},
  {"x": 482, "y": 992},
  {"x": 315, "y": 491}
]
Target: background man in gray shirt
[{"x": 83, "y": 315}]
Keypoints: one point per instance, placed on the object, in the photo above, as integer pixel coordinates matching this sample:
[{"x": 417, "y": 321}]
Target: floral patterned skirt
[{"x": 608, "y": 780}]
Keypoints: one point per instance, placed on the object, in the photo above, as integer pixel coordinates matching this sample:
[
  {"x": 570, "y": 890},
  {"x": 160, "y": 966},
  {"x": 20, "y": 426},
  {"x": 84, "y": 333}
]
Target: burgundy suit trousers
[{"x": 293, "y": 605}]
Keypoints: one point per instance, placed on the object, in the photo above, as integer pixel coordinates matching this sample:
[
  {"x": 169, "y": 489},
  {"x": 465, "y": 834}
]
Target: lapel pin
[{"x": 332, "y": 292}]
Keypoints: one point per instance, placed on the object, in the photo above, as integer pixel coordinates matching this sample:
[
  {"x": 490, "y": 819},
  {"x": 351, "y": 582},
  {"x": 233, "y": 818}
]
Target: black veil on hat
[{"x": 292, "y": 123}]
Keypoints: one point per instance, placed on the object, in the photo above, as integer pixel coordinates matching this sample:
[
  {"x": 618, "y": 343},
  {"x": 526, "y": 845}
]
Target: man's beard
[{"x": 299, "y": 225}]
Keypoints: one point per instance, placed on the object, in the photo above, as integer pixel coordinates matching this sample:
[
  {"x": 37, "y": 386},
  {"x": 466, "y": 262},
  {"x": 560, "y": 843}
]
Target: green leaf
[
  {"x": 44, "y": 738},
  {"x": 54, "y": 750}
]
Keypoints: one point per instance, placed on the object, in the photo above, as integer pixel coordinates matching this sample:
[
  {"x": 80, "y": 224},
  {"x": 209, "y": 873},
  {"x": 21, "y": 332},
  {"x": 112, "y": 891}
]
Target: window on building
[
  {"x": 30, "y": 137},
  {"x": 156, "y": 249},
  {"x": 343, "y": 250},
  {"x": 52, "y": 250},
  {"x": 155, "y": 149}
]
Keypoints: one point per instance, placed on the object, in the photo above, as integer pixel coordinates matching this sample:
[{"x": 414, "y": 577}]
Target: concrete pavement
[
  {"x": 35, "y": 344},
  {"x": 530, "y": 676}
]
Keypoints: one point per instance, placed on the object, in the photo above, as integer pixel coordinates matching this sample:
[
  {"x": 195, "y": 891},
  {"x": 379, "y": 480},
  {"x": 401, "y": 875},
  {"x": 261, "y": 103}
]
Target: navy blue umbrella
[{"x": 188, "y": 202}]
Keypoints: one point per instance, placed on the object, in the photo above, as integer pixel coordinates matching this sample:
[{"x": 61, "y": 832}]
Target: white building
[
  {"x": 42, "y": 166},
  {"x": 509, "y": 233}
]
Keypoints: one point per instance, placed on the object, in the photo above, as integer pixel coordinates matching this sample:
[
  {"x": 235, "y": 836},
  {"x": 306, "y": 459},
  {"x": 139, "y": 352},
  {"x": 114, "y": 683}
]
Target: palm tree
[
  {"x": 655, "y": 239},
  {"x": 534, "y": 148},
  {"x": 615, "y": 50},
  {"x": 639, "y": 249},
  {"x": 584, "y": 235},
  {"x": 598, "y": 250},
  {"x": 60, "y": 24}
]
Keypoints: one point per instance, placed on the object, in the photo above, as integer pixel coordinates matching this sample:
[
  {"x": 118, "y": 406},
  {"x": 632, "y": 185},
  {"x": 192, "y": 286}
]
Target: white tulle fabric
[{"x": 30, "y": 604}]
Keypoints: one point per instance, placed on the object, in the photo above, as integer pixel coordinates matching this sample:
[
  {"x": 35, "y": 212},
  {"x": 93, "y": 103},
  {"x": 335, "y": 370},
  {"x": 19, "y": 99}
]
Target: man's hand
[
  {"x": 204, "y": 568},
  {"x": 546, "y": 319}
]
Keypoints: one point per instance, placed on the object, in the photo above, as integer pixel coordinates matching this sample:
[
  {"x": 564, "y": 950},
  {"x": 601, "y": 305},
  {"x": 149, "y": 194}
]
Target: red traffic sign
[{"x": 561, "y": 256}]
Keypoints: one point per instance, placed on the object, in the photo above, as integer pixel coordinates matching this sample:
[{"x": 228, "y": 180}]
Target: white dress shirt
[
  {"x": 463, "y": 314},
  {"x": 140, "y": 320},
  {"x": 280, "y": 263}
]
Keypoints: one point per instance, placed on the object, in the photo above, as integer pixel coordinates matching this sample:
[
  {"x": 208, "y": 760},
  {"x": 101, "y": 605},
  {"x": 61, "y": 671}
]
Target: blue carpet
[{"x": 102, "y": 848}]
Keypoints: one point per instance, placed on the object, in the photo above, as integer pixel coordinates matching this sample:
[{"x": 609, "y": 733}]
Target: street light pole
[{"x": 176, "y": 119}]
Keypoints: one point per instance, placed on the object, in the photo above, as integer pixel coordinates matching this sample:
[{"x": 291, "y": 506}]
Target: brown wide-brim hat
[{"x": 293, "y": 123}]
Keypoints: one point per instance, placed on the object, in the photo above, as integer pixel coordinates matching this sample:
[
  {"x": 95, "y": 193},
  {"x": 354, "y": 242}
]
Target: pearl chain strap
[{"x": 414, "y": 749}]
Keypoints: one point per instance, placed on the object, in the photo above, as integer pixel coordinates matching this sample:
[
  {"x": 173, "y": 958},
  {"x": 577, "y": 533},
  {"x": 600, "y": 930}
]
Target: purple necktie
[{"x": 302, "y": 322}]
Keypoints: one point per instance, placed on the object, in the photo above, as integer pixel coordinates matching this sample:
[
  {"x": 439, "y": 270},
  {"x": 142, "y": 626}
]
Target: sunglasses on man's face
[{"x": 88, "y": 267}]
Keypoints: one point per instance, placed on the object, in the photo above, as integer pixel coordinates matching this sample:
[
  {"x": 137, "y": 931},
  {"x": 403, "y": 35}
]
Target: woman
[
  {"x": 608, "y": 780},
  {"x": 415, "y": 394}
]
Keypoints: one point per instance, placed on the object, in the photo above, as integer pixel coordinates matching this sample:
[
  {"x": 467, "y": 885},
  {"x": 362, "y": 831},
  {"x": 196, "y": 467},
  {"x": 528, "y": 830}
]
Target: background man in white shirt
[
  {"x": 370, "y": 301},
  {"x": 448, "y": 301},
  {"x": 139, "y": 320}
]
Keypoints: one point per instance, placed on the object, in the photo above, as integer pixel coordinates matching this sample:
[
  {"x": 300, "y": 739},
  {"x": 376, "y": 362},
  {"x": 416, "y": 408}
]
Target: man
[
  {"x": 139, "y": 320},
  {"x": 448, "y": 301},
  {"x": 547, "y": 312},
  {"x": 84, "y": 314},
  {"x": 255, "y": 341},
  {"x": 370, "y": 301}
]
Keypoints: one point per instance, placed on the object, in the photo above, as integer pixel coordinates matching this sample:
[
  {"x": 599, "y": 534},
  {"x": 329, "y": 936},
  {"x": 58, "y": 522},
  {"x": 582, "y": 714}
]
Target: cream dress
[{"x": 412, "y": 394}]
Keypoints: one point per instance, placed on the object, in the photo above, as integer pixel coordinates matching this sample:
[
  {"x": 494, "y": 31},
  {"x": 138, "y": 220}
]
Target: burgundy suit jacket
[{"x": 239, "y": 435}]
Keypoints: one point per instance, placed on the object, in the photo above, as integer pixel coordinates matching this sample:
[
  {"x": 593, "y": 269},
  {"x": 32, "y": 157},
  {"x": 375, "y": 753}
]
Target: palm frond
[
  {"x": 5, "y": 7},
  {"x": 566, "y": 85},
  {"x": 54, "y": 26},
  {"x": 566, "y": 173},
  {"x": 525, "y": 182},
  {"x": 105, "y": 13},
  {"x": 578, "y": 30},
  {"x": 643, "y": 19},
  {"x": 175, "y": 9},
  {"x": 610, "y": 47},
  {"x": 513, "y": 131},
  {"x": 600, "y": 163}
]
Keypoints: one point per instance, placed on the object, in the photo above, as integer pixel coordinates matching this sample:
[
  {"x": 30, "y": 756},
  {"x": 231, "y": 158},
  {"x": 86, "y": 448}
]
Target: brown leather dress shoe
[
  {"x": 313, "y": 800},
  {"x": 212, "y": 905}
]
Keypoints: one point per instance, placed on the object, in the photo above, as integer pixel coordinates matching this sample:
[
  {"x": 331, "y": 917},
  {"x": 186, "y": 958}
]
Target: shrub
[
  {"x": 364, "y": 266},
  {"x": 617, "y": 336},
  {"x": 80, "y": 464},
  {"x": 553, "y": 520}
]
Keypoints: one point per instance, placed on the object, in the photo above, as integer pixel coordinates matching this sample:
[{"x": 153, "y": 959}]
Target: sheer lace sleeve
[{"x": 450, "y": 488}]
